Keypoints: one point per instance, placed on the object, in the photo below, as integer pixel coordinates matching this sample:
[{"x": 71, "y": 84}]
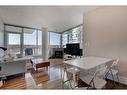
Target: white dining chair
[
  {"x": 114, "y": 71},
  {"x": 95, "y": 81},
  {"x": 72, "y": 74}
]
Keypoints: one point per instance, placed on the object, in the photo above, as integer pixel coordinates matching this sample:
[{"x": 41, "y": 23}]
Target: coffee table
[{"x": 40, "y": 63}]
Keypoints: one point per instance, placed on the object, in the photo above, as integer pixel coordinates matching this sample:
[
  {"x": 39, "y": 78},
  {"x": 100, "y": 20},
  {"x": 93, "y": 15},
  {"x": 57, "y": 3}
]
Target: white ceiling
[{"x": 56, "y": 18}]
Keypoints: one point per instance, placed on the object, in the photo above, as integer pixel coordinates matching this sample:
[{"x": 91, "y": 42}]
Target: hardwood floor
[
  {"x": 17, "y": 83},
  {"x": 46, "y": 80},
  {"x": 33, "y": 80}
]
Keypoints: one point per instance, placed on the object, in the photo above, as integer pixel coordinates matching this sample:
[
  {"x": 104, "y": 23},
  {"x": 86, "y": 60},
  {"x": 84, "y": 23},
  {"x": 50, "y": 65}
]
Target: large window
[
  {"x": 72, "y": 36},
  {"x": 30, "y": 42},
  {"x": 24, "y": 41},
  {"x": 54, "y": 40},
  {"x": 30, "y": 37},
  {"x": 13, "y": 39}
]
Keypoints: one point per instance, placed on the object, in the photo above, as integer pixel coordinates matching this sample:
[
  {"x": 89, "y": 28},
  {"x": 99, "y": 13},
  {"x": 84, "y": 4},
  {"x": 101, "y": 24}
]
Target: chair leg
[
  {"x": 91, "y": 85},
  {"x": 63, "y": 74},
  {"x": 118, "y": 78},
  {"x": 113, "y": 77},
  {"x": 63, "y": 78},
  {"x": 61, "y": 71},
  {"x": 74, "y": 80},
  {"x": 91, "y": 82},
  {"x": 77, "y": 79}
]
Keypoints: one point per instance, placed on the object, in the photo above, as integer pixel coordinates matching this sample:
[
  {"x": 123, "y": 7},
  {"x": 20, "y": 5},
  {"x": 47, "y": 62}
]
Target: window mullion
[
  {"x": 37, "y": 45},
  {"x": 22, "y": 42}
]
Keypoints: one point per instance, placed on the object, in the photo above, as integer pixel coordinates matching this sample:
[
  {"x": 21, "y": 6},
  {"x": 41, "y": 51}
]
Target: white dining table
[{"x": 89, "y": 62}]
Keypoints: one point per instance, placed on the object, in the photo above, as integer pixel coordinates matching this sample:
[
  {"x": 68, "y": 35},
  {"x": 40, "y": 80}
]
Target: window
[
  {"x": 30, "y": 42},
  {"x": 30, "y": 37},
  {"x": 14, "y": 39},
  {"x": 54, "y": 42},
  {"x": 14, "y": 43},
  {"x": 72, "y": 36},
  {"x": 24, "y": 41},
  {"x": 64, "y": 39},
  {"x": 54, "y": 39}
]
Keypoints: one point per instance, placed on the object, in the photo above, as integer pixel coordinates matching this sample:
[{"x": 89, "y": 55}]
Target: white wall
[
  {"x": 105, "y": 29},
  {"x": 105, "y": 35}
]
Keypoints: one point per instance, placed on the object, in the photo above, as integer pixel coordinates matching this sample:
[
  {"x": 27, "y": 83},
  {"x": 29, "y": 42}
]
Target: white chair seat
[{"x": 73, "y": 70}]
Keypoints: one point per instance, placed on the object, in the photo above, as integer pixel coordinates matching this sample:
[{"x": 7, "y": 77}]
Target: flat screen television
[{"x": 73, "y": 49}]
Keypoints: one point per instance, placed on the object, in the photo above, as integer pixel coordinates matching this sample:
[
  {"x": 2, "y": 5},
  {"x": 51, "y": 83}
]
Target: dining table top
[{"x": 88, "y": 62}]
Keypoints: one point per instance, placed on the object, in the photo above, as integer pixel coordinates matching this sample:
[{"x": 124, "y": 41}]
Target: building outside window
[
  {"x": 64, "y": 39},
  {"x": 72, "y": 36}
]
